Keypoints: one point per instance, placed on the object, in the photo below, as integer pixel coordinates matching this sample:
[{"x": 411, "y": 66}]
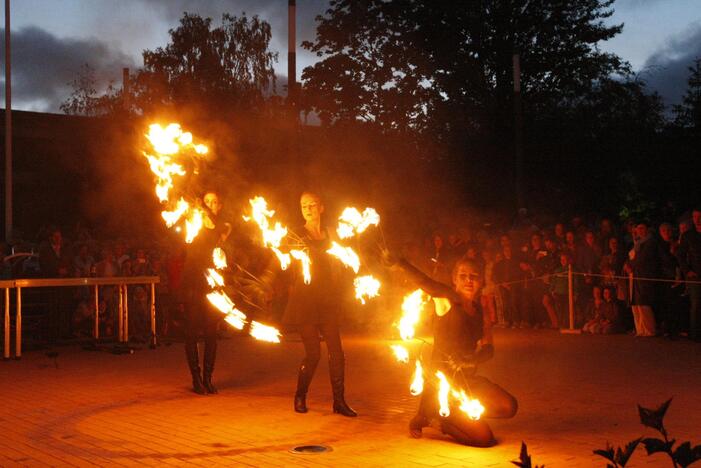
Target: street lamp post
[{"x": 8, "y": 127}]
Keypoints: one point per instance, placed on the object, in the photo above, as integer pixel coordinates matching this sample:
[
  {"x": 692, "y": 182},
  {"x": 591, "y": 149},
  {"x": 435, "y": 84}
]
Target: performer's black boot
[
  {"x": 304, "y": 379},
  {"x": 336, "y": 372},
  {"x": 193, "y": 361},
  {"x": 210, "y": 355}
]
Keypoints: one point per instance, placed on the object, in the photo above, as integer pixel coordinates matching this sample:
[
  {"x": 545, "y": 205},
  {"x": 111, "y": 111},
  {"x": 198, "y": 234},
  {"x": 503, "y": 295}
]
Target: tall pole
[
  {"x": 518, "y": 132},
  {"x": 8, "y": 127},
  {"x": 292, "y": 58}
]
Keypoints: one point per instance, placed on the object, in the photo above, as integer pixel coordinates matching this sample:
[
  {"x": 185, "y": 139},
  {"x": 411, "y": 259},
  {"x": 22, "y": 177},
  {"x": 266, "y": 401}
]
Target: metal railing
[{"x": 123, "y": 309}]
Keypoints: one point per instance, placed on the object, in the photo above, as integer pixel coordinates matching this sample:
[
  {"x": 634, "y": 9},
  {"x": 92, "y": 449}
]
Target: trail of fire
[
  {"x": 412, "y": 306},
  {"x": 272, "y": 237},
  {"x": 171, "y": 147}
]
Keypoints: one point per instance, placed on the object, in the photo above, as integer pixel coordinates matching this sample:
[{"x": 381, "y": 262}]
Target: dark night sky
[{"x": 53, "y": 38}]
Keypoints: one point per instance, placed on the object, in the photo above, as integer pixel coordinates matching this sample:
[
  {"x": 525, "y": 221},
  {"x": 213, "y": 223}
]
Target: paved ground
[{"x": 575, "y": 393}]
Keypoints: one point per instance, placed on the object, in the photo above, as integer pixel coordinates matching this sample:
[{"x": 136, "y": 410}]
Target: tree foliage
[
  {"x": 228, "y": 66},
  {"x": 85, "y": 99},
  {"x": 442, "y": 67},
  {"x": 688, "y": 113}
]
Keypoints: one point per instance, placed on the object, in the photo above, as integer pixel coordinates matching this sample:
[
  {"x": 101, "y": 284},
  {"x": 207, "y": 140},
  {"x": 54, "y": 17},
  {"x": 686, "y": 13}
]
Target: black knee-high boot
[
  {"x": 193, "y": 361},
  {"x": 336, "y": 373},
  {"x": 304, "y": 379},
  {"x": 210, "y": 355}
]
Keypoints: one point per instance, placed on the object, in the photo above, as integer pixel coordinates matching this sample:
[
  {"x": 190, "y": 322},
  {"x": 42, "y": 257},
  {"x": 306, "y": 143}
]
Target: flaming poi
[{"x": 171, "y": 148}]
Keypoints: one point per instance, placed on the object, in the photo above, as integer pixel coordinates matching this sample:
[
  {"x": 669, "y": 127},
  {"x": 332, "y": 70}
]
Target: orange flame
[
  {"x": 443, "y": 392},
  {"x": 411, "y": 313},
  {"x": 470, "y": 406},
  {"x": 417, "y": 384},
  {"x": 400, "y": 352},
  {"x": 303, "y": 257},
  {"x": 346, "y": 255},
  {"x": 352, "y": 222},
  {"x": 219, "y": 258},
  {"x": 366, "y": 286},
  {"x": 264, "y": 332},
  {"x": 214, "y": 278}
]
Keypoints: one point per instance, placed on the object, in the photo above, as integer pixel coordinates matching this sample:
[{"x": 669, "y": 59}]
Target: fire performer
[
  {"x": 200, "y": 316},
  {"x": 462, "y": 340},
  {"x": 313, "y": 309}
]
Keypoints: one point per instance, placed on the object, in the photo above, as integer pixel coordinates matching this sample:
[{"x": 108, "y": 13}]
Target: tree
[
  {"x": 688, "y": 113},
  {"x": 444, "y": 68},
  {"x": 85, "y": 100},
  {"x": 225, "y": 67}
]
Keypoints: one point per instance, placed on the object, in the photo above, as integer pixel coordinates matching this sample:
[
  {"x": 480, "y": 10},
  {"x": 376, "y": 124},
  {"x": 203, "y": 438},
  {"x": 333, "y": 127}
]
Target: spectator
[
  {"x": 507, "y": 272},
  {"x": 83, "y": 263},
  {"x": 668, "y": 313},
  {"x": 593, "y": 313},
  {"x": 689, "y": 256},
  {"x": 54, "y": 259},
  {"x": 644, "y": 263}
]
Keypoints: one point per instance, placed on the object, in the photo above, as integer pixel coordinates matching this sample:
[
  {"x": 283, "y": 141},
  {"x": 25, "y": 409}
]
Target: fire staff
[
  {"x": 462, "y": 339},
  {"x": 201, "y": 318},
  {"x": 313, "y": 310}
]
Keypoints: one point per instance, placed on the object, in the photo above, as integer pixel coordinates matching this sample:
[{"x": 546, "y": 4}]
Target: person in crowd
[
  {"x": 440, "y": 257},
  {"x": 689, "y": 256},
  {"x": 607, "y": 318},
  {"x": 570, "y": 245},
  {"x": 645, "y": 261},
  {"x": 120, "y": 253},
  {"x": 559, "y": 235},
  {"x": 559, "y": 289},
  {"x": 140, "y": 266},
  {"x": 54, "y": 258},
  {"x": 606, "y": 232},
  {"x": 313, "y": 309},
  {"x": 668, "y": 300},
  {"x": 507, "y": 273},
  {"x": 489, "y": 292},
  {"x": 462, "y": 341},
  {"x": 200, "y": 315},
  {"x": 593, "y": 313},
  {"x": 83, "y": 263}
]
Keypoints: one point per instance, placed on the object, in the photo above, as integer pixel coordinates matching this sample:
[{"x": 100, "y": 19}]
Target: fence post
[
  {"x": 96, "y": 325},
  {"x": 570, "y": 295},
  {"x": 120, "y": 316},
  {"x": 18, "y": 325},
  {"x": 570, "y": 302},
  {"x": 630, "y": 287},
  {"x": 153, "y": 316},
  {"x": 126, "y": 313},
  {"x": 6, "y": 354}
]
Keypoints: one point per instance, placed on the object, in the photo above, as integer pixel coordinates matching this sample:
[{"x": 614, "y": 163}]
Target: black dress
[{"x": 316, "y": 303}]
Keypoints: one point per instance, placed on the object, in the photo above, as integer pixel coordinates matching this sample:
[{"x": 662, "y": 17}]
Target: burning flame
[
  {"x": 303, "y": 257},
  {"x": 236, "y": 319},
  {"x": 443, "y": 392},
  {"x": 264, "y": 332},
  {"x": 214, "y": 278},
  {"x": 172, "y": 217},
  {"x": 347, "y": 256},
  {"x": 417, "y": 384},
  {"x": 400, "y": 353},
  {"x": 272, "y": 237},
  {"x": 366, "y": 287},
  {"x": 411, "y": 312},
  {"x": 470, "y": 406},
  {"x": 193, "y": 225},
  {"x": 352, "y": 222},
  {"x": 219, "y": 258},
  {"x": 221, "y": 301}
]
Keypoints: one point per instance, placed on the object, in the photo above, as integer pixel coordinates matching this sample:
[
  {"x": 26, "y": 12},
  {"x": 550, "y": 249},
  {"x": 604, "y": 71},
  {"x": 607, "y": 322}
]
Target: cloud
[
  {"x": 43, "y": 65},
  {"x": 667, "y": 70}
]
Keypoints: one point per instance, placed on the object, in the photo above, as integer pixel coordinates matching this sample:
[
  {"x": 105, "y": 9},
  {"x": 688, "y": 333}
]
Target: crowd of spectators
[
  {"x": 525, "y": 270},
  {"x": 526, "y": 273},
  {"x": 54, "y": 255}
]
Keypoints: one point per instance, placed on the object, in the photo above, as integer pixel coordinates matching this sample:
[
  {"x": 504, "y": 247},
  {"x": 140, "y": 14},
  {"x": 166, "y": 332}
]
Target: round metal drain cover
[{"x": 311, "y": 449}]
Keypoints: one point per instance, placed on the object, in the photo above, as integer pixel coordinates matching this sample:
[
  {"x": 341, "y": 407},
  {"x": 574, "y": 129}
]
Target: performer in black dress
[
  {"x": 313, "y": 309},
  {"x": 200, "y": 315},
  {"x": 462, "y": 340}
]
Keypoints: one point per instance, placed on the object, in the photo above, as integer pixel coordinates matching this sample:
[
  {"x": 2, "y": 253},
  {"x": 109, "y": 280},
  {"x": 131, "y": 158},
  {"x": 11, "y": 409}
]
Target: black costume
[
  {"x": 200, "y": 316},
  {"x": 313, "y": 310},
  {"x": 456, "y": 353}
]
